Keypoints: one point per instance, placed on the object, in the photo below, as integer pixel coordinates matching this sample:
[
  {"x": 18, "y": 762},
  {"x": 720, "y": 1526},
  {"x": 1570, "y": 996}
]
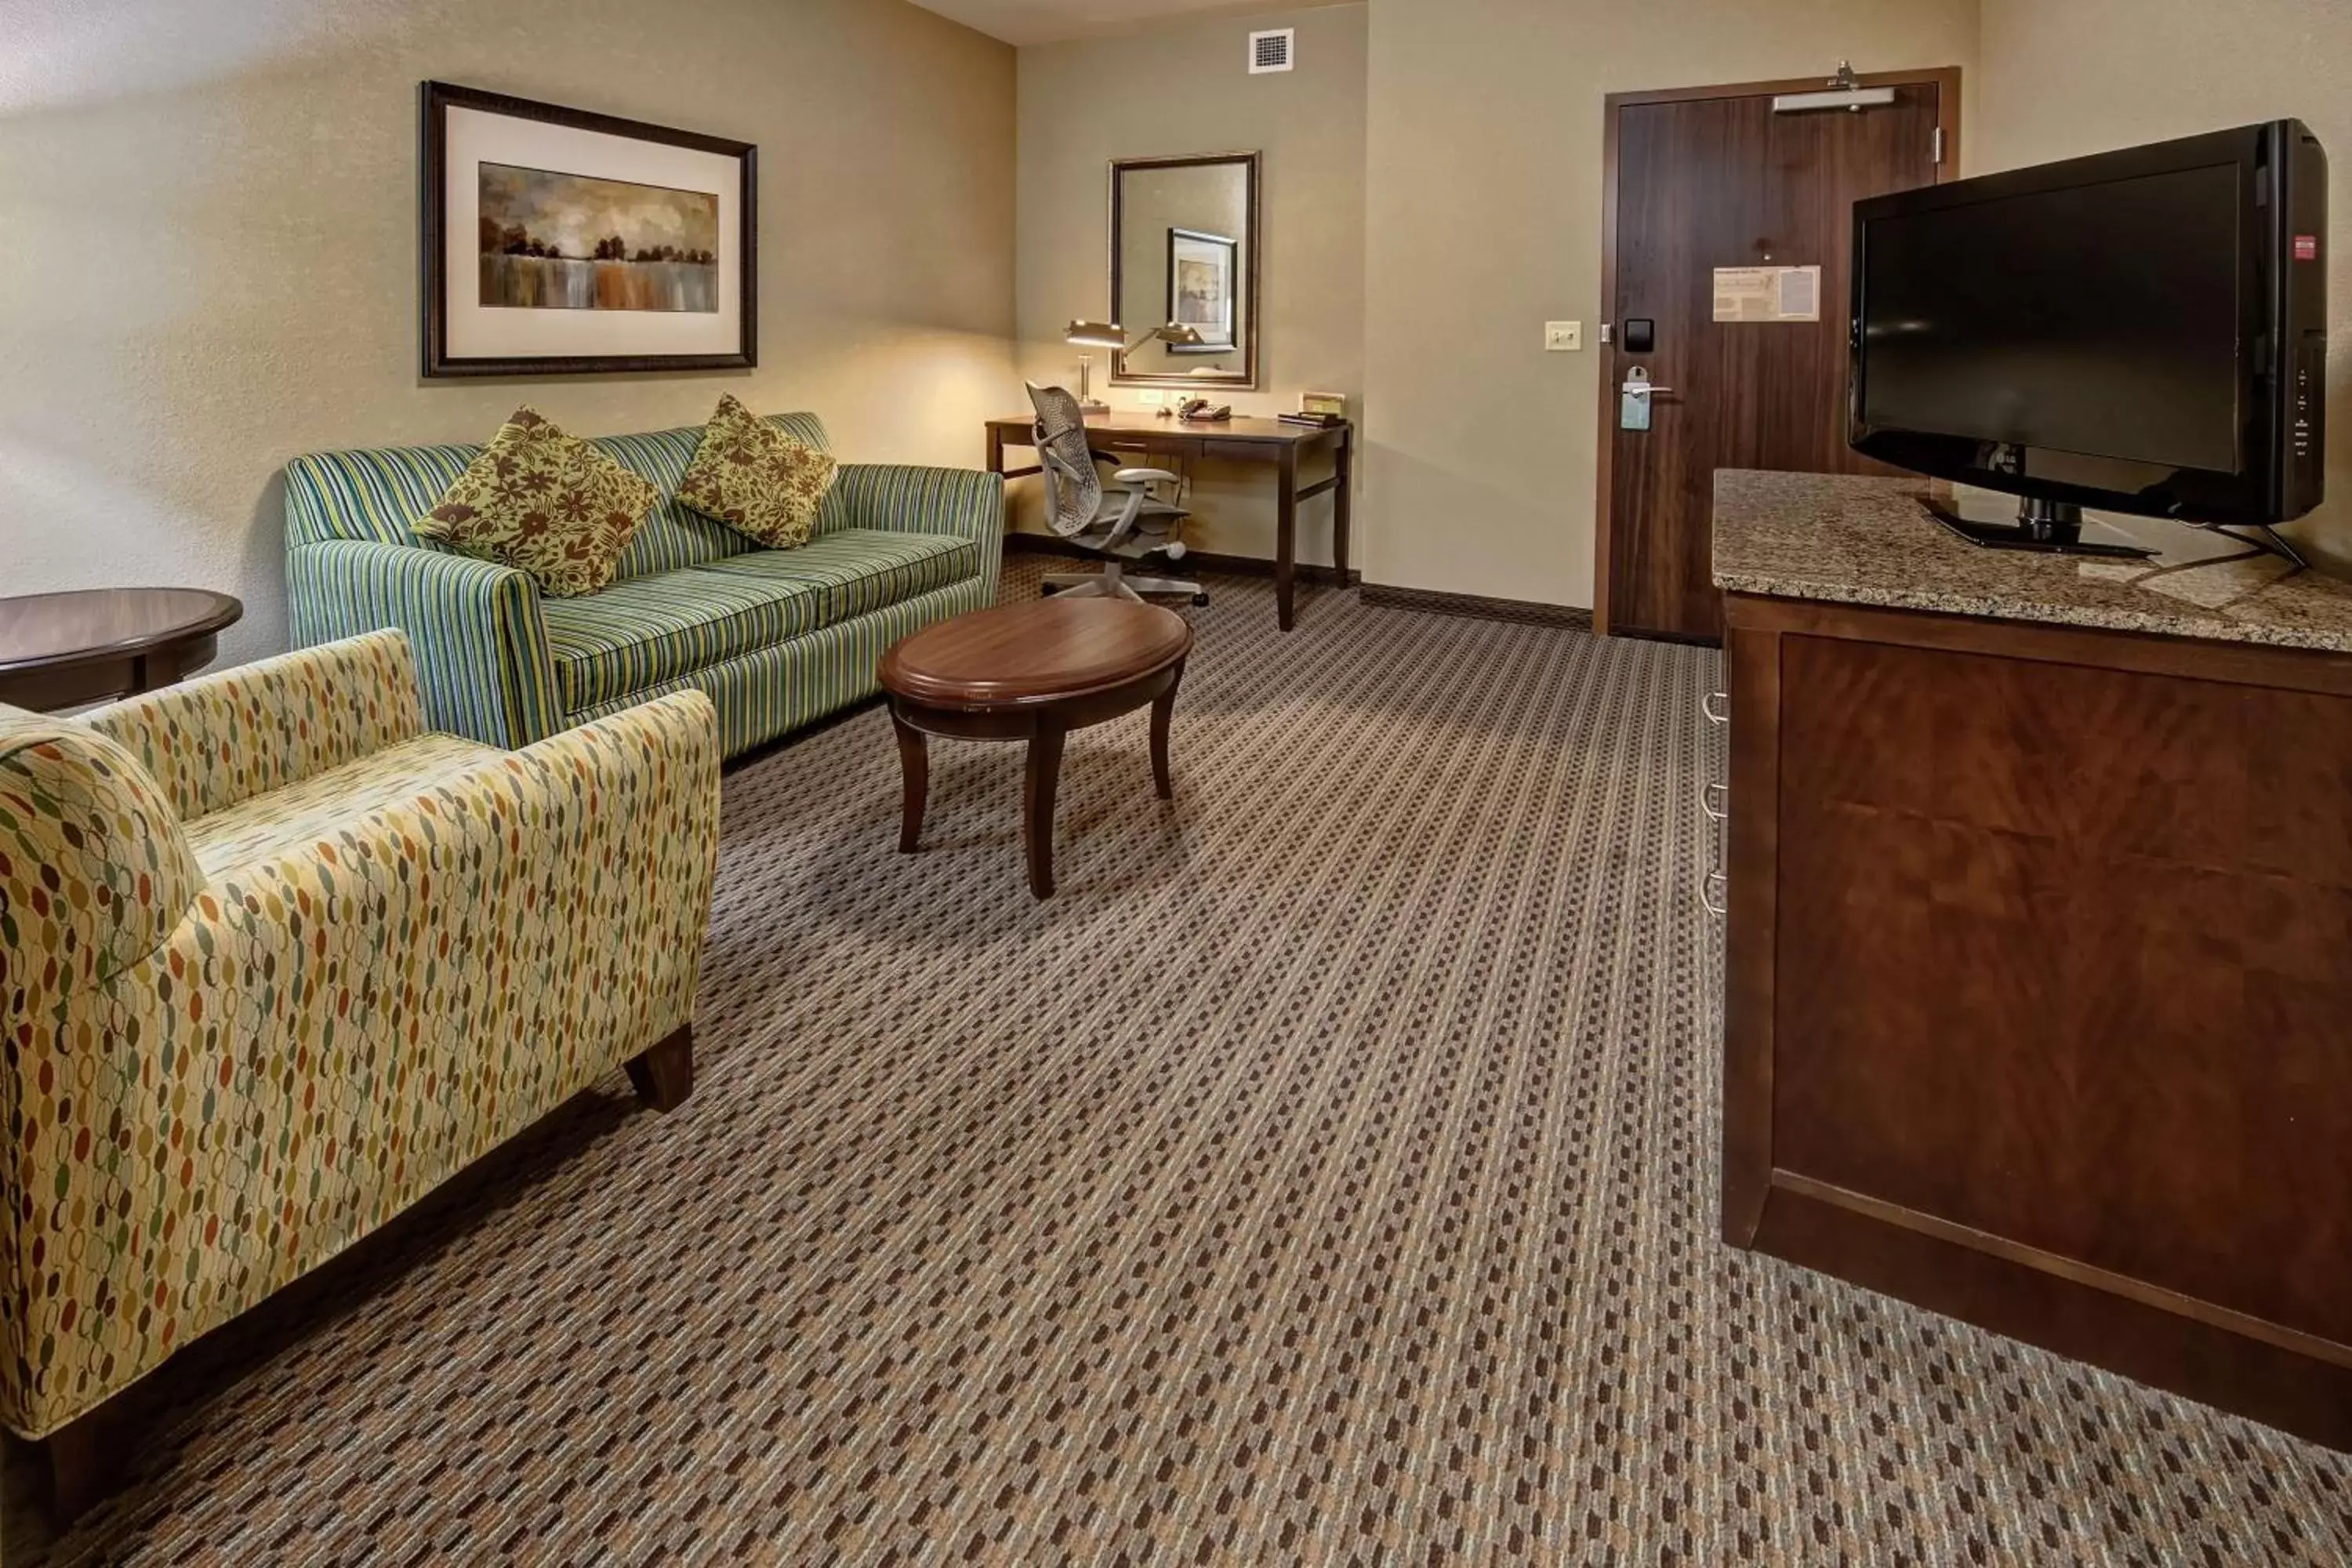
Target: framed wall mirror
[{"x": 1184, "y": 271}]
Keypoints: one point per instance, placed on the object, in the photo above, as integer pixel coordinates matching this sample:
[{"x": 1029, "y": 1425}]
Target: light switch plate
[
  {"x": 1563, "y": 337},
  {"x": 1150, "y": 399}
]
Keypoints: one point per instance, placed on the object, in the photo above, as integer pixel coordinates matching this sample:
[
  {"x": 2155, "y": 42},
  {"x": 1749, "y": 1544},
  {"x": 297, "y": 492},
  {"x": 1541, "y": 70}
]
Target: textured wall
[
  {"x": 1185, "y": 89},
  {"x": 209, "y": 265},
  {"x": 2067, "y": 77},
  {"x": 1484, "y": 222}
]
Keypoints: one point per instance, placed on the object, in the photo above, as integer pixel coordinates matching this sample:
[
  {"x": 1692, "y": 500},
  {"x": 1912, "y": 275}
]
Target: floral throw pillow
[
  {"x": 545, "y": 503},
  {"x": 756, "y": 480}
]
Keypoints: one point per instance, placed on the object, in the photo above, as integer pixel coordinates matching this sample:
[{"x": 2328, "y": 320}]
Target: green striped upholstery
[
  {"x": 773, "y": 690},
  {"x": 480, "y": 644},
  {"x": 697, "y": 605},
  {"x": 380, "y": 494},
  {"x": 642, "y": 631},
  {"x": 856, "y": 570},
  {"x": 674, "y": 535},
  {"x": 377, "y": 495}
]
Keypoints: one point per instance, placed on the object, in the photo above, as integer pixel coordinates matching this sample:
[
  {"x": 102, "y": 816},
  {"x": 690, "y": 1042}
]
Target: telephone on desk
[{"x": 1200, "y": 411}]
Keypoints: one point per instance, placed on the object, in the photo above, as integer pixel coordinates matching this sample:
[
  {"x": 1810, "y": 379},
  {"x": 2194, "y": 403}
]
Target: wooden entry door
[{"x": 1713, "y": 177}]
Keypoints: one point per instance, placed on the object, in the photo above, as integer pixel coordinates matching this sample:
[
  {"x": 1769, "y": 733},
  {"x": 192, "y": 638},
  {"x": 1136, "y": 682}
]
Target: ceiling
[{"x": 1050, "y": 21}]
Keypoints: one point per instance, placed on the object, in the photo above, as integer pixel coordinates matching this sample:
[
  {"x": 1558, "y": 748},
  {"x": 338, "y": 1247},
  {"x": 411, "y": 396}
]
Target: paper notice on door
[{"x": 1767, "y": 293}]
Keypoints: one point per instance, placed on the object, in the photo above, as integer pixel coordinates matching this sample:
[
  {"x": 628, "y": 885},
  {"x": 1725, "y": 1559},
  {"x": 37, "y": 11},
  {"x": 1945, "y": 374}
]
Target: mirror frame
[{"x": 1248, "y": 379}]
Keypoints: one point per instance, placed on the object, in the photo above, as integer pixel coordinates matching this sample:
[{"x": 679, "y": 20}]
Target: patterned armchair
[{"x": 275, "y": 961}]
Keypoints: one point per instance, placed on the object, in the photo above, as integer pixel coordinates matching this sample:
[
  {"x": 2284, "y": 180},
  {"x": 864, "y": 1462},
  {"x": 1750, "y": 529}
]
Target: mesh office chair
[{"x": 1125, "y": 525}]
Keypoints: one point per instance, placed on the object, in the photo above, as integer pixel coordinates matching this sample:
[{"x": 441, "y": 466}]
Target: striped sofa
[{"x": 775, "y": 637}]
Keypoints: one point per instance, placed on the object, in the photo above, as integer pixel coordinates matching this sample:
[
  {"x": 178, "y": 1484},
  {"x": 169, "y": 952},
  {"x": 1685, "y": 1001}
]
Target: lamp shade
[{"x": 1097, "y": 334}]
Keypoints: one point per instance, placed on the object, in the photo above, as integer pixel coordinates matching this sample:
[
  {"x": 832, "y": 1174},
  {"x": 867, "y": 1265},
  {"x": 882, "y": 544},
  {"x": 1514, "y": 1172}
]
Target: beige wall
[
  {"x": 2068, "y": 76},
  {"x": 210, "y": 212},
  {"x": 1484, "y": 222},
  {"x": 1184, "y": 88}
]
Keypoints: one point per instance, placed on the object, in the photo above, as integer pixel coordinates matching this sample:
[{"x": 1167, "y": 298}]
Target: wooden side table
[
  {"x": 1033, "y": 672},
  {"x": 63, "y": 650}
]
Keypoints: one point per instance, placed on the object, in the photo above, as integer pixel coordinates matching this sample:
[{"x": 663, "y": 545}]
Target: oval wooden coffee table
[{"x": 1033, "y": 672}]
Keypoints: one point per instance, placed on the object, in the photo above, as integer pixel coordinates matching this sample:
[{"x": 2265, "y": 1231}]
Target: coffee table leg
[
  {"x": 1163, "y": 712},
  {"x": 1038, "y": 822},
  {"x": 915, "y": 766}
]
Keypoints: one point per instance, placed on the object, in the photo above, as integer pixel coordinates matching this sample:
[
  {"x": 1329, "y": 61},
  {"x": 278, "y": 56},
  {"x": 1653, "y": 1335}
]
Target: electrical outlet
[
  {"x": 1563, "y": 337},
  {"x": 1150, "y": 398}
]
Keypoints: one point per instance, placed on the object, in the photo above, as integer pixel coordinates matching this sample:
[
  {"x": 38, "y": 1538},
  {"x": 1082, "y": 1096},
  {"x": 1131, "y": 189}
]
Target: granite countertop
[{"x": 1869, "y": 541}]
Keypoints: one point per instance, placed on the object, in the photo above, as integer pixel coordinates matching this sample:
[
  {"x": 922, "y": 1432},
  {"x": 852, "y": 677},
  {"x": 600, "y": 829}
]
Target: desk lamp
[{"x": 1111, "y": 335}]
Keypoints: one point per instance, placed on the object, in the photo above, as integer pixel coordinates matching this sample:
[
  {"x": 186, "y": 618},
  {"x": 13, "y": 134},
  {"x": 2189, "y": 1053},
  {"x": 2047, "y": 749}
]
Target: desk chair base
[{"x": 1112, "y": 582}]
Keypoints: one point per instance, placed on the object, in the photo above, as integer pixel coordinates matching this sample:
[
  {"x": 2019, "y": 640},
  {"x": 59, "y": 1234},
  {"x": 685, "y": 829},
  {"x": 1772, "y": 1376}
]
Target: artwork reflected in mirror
[
  {"x": 1184, "y": 254},
  {"x": 574, "y": 242},
  {"x": 1201, "y": 271}
]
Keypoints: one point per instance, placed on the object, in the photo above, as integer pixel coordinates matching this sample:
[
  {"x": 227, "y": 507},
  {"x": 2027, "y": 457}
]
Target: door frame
[{"x": 1947, "y": 81}]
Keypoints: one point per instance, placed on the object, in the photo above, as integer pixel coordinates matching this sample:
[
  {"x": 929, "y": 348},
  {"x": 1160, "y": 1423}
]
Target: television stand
[{"x": 2054, "y": 527}]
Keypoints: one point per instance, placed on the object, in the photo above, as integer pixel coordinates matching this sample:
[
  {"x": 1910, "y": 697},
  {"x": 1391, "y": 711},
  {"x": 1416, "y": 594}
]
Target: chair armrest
[
  {"x": 328, "y": 1036},
  {"x": 218, "y": 739},
  {"x": 480, "y": 645},
  {"x": 1143, "y": 476}
]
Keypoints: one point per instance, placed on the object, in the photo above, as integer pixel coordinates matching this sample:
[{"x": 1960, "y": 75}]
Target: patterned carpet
[{"x": 1327, "y": 1175}]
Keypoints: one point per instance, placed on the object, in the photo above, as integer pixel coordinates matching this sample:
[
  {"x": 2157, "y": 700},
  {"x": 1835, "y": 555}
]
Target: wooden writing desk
[{"x": 1237, "y": 440}]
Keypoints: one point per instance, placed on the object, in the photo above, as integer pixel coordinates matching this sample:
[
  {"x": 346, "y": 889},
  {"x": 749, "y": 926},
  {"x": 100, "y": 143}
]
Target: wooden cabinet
[{"x": 2039, "y": 975}]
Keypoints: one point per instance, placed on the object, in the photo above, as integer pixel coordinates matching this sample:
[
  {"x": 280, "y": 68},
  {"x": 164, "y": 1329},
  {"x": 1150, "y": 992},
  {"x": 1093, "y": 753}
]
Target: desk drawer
[
  {"x": 1152, "y": 445},
  {"x": 1239, "y": 451}
]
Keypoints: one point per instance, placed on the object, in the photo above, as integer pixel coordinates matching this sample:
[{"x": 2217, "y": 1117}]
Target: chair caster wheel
[{"x": 1201, "y": 600}]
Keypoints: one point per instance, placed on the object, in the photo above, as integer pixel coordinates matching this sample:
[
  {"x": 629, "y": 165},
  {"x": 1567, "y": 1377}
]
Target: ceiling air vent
[{"x": 1274, "y": 51}]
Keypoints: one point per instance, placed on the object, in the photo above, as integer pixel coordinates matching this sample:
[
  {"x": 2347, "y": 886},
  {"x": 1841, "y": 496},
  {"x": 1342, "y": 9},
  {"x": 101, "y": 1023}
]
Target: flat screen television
[{"x": 2142, "y": 331}]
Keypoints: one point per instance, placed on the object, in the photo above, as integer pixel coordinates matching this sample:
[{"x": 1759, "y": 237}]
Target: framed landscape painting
[{"x": 557, "y": 242}]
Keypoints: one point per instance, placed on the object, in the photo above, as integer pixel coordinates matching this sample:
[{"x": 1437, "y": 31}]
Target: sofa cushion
[
  {"x": 756, "y": 478},
  {"x": 642, "y": 631},
  {"x": 544, "y": 502},
  {"x": 269, "y": 825},
  {"x": 378, "y": 493},
  {"x": 674, "y": 535},
  {"x": 860, "y": 569}
]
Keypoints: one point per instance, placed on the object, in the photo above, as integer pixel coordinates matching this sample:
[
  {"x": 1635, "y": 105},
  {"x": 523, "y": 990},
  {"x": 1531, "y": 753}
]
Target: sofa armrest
[
  {"x": 218, "y": 739},
  {"x": 908, "y": 498},
  {"x": 328, "y": 1037},
  {"x": 480, "y": 644}
]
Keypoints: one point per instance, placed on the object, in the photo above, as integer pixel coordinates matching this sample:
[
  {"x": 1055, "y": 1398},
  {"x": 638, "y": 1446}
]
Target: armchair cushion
[
  {"x": 757, "y": 479},
  {"x": 287, "y": 820},
  {"x": 545, "y": 503}
]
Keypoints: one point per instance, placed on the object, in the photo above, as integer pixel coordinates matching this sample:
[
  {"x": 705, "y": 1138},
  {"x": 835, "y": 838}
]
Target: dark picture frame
[
  {"x": 435, "y": 100},
  {"x": 1177, "y": 238}
]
